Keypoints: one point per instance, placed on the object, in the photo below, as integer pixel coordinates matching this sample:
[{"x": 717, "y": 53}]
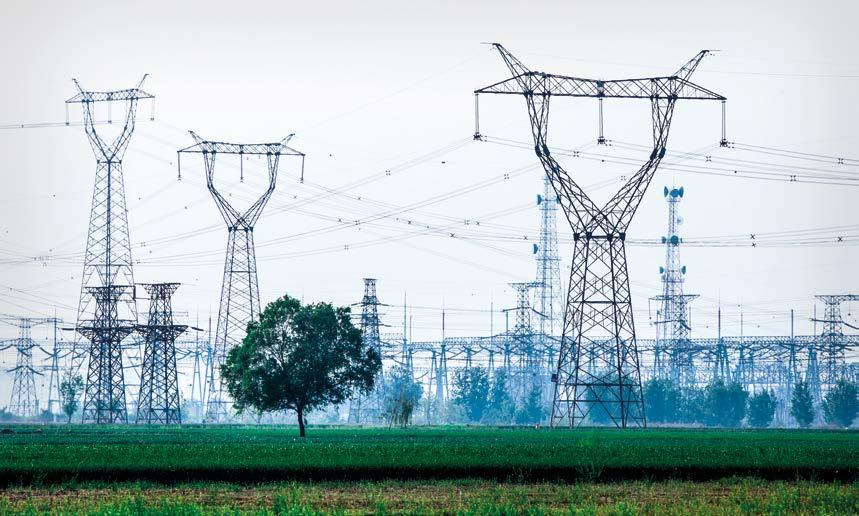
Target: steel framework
[
  {"x": 673, "y": 354},
  {"x": 24, "y": 401},
  {"x": 107, "y": 260},
  {"x": 158, "y": 401},
  {"x": 240, "y": 302},
  {"x": 104, "y": 396},
  {"x": 591, "y": 371},
  {"x": 368, "y": 408},
  {"x": 834, "y": 343},
  {"x": 547, "y": 299}
]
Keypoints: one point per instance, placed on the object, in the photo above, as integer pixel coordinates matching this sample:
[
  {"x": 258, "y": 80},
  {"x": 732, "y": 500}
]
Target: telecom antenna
[
  {"x": 547, "y": 300},
  {"x": 598, "y": 365},
  {"x": 240, "y": 302},
  {"x": 673, "y": 354},
  {"x": 104, "y": 396},
  {"x": 107, "y": 260},
  {"x": 158, "y": 401}
]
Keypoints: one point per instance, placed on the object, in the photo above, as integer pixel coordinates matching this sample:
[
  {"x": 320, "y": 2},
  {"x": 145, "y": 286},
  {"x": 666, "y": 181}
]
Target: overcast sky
[{"x": 375, "y": 86}]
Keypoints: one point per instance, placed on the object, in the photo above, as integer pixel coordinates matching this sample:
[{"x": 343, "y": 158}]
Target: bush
[
  {"x": 471, "y": 392},
  {"x": 662, "y": 401},
  {"x": 761, "y": 409},
  {"x": 840, "y": 404},
  {"x": 802, "y": 405},
  {"x": 725, "y": 405}
]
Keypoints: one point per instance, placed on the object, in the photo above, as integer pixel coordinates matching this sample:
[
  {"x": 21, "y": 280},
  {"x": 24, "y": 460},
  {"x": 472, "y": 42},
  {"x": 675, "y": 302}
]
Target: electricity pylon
[
  {"x": 107, "y": 261},
  {"x": 524, "y": 342},
  {"x": 158, "y": 401},
  {"x": 104, "y": 396},
  {"x": 369, "y": 407},
  {"x": 598, "y": 364},
  {"x": 240, "y": 302},
  {"x": 24, "y": 401},
  {"x": 834, "y": 343},
  {"x": 673, "y": 355}
]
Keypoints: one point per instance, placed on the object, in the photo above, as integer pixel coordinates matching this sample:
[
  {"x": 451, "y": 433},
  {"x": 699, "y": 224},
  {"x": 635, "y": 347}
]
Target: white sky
[{"x": 369, "y": 87}]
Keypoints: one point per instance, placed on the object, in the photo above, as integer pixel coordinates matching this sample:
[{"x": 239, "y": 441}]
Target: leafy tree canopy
[{"x": 299, "y": 357}]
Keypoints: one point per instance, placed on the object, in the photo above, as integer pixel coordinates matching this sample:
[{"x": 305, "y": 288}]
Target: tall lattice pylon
[
  {"x": 525, "y": 342},
  {"x": 368, "y": 408},
  {"x": 104, "y": 395},
  {"x": 107, "y": 260},
  {"x": 598, "y": 363},
  {"x": 158, "y": 400},
  {"x": 674, "y": 354},
  {"x": 24, "y": 401},
  {"x": 240, "y": 302},
  {"x": 547, "y": 298},
  {"x": 832, "y": 348}
]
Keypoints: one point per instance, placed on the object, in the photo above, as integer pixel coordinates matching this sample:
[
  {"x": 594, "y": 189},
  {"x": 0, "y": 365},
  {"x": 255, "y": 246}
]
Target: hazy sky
[{"x": 375, "y": 86}]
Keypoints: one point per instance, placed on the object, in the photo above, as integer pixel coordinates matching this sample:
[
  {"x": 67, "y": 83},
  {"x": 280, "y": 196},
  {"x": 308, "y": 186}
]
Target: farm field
[
  {"x": 55, "y": 454},
  {"x": 730, "y": 496}
]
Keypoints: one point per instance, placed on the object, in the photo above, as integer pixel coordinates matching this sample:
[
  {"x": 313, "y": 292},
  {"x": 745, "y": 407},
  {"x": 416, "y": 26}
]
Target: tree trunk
[{"x": 300, "y": 412}]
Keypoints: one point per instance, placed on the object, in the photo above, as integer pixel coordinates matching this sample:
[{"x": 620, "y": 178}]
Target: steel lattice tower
[
  {"x": 523, "y": 339},
  {"x": 547, "y": 301},
  {"x": 363, "y": 408},
  {"x": 598, "y": 364},
  {"x": 240, "y": 302},
  {"x": 673, "y": 354},
  {"x": 833, "y": 345},
  {"x": 24, "y": 401},
  {"x": 107, "y": 261},
  {"x": 104, "y": 397},
  {"x": 158, "y": 401}
]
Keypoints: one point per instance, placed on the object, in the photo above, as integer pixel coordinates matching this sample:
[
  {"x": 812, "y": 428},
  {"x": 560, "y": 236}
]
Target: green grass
[
  {"x": 56, "y": 454},
  {"x": 734, "y": 496}
]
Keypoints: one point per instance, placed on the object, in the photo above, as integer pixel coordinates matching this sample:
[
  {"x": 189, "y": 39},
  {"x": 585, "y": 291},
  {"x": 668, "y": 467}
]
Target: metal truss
[
  {"x": 158, "y": 400},
  {"x": 368, "y": 409},
  {"x": 24, "y": 401},
  {"x": 107, "y": 261},
  {"x": 104, "y": 397},
  {"x": 594, "y": 373},
  {"x": 831, "y": 350},
  {"x": 240, "y": 302},
  {"x": 673, "y": 354},
  {"x": 547, "y": 295}
]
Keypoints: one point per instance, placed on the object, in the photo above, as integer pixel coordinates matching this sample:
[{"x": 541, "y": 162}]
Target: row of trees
[
  {"x": 485, "y": 401},
  {"x": 728, "y": 405}
]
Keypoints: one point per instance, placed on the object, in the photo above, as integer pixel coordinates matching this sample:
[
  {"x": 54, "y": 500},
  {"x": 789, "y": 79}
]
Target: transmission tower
[
  {"x": 833, "y": 346},
  {"x": 239, "y": 291},
  {"x": 368, "y": 408},
  {"x": 523, "y": 339},
  {"x": 107, "y": 260},
  {"x": 24, "y": 401},
  {"x": 673, "y": 354},
  {"x": 158, "y": 401},
  {"x": 598, "y": 363},
  {"x": 548, "y": 292},
  {"x": 104, "y": 396}
]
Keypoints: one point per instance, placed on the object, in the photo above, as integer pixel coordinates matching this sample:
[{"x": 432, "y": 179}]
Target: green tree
[
  {"x": 401, "y": 395},
  {"x": 501, "y": 407},
  {"x": 531, "y": 412},
  {"x": 725, "y": 405},
  {"x": 761, "y": 409},
  {"x": 662, "y": 401},
  {"x": 298, "y": 358},
  {"x": 840, "y": 404},
  {"x": 71, "y": 388},
  {"x": 693, "y": 406},
  {"x": 471, "y": 392},
  {"x": 802, "y": 405}
]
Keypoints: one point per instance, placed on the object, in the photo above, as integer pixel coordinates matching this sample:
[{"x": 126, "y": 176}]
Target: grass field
[
  {"x": 56, "y": 454},
  {"x": 447, "y": 497},
  {"x": 269, "y": 470}
]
